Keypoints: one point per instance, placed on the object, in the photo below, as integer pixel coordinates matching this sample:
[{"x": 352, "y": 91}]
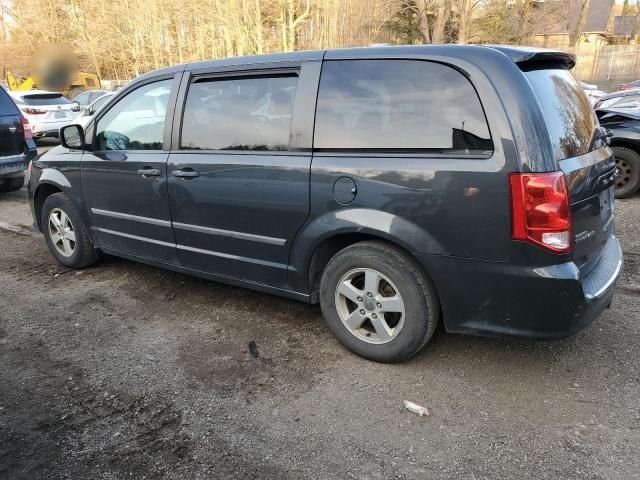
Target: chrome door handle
[
  {"x": 149, "y": 172},
  {"x": 185, "y": 173}
]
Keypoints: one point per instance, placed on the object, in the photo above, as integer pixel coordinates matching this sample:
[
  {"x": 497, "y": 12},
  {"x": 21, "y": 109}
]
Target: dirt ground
[{"x": 128, "y": 371}]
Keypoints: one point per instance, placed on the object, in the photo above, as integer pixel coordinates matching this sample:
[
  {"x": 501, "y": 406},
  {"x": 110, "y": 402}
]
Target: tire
[
  {"x": 408, "y": 330},
  {"x": 11, "y": 184},
  {"x": 81, "y": 252},
  {"x": 628, "y": 171}
]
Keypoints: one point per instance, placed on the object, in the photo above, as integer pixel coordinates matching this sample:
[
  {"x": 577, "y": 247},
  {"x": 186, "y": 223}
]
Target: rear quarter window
[
  {"x": 399, "y": 105},
  {"x": 567, "y": 111},
  {"x": 7, "y": 106}
]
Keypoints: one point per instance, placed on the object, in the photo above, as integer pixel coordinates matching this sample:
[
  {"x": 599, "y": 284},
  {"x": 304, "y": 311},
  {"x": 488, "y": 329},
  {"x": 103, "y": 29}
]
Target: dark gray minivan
[{"x": 396, "y": 186}]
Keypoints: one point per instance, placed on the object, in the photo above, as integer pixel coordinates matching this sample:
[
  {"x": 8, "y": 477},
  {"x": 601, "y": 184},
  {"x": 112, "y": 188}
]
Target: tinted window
[
  {"x": 566, "y": 109},
  {"x": 239, "y": 114},
  {"x": 44, "y": 99},
  {"x": 136, "y": 122},
  {"x": 398, "y": 105},
  {"x": 7, "y": 107}
]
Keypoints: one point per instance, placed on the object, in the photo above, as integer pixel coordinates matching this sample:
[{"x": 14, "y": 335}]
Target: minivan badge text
[{"x": 582, "y": 236}]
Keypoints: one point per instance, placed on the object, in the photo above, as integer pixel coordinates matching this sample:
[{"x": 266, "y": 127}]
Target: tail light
[
  {"x": 540, "y": 211},
  {"x": 26, "y": 128},
  {"x": 75, "y": 108},
  {"x": 33, "y": 111}
]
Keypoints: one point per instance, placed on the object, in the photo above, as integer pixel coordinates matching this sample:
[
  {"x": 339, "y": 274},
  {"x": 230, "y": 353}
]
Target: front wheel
[
  {"x": 377, "y": 302},
  {"x": 67, "y": 237}
]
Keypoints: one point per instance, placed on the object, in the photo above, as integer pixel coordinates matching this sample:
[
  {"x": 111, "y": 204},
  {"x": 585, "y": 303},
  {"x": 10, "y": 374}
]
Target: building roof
[
  {"x": 597, "y": 18},
  {"x": 624, "y": 25}
]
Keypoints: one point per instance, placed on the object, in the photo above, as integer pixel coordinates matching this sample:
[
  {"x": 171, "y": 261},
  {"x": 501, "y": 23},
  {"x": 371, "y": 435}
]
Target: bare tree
[
  {"x": 465, "y": 10},
  {"x": 443, "y": 12},
  {"x": 576, "y": 33}
]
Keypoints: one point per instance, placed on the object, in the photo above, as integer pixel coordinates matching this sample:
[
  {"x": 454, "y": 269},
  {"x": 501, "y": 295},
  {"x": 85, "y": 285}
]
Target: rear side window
[
  {"x": 566, "y": 110},
  {"x": 45, "y": 99},
  {"x": 7, "y": 107},
  {"x": 399, "y": 105},
  {"x": 239, "y": 114}
]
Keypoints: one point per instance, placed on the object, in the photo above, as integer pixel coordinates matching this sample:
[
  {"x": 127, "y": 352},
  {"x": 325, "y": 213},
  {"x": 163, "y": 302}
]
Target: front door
[
  {"x": 238, "y": 190},
  {"x": 124, "y": 178}
]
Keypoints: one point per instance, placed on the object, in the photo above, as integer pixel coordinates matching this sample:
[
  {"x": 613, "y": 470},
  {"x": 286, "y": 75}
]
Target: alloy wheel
[
  {"x": 370, "y": 306},
  {"x": 62, "y": 233}
]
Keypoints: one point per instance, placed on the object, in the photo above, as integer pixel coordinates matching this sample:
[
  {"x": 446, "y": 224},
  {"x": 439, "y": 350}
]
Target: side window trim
[
  {"x": 240, "y": 72},
  {"x": 166, "y": 140}
]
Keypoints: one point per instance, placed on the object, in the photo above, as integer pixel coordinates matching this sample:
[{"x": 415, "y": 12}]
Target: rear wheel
[
  {"x": 11, "y": 184},
  {"x": 627, "y": 171},
  {"x": 377, "y": 302},
  {"x": 66, "y": 236}
]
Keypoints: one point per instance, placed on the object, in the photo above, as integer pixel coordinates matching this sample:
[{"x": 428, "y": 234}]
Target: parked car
[
  {"x": 47, "y": 112},
  {"x": 17, "y": 147},
  {"x": 624, "y": 130},
  {"x": 89, "y": 96},
  {"x": 88, "y": 113},
  {"x": 396, "y": 186},
  {"x": 630, "y": 85},
  {"x": 593, "y": 92}
]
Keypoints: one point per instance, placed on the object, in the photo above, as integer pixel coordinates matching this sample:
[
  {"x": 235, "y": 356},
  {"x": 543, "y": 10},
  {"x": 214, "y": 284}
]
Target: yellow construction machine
[{"x": 69, "y": 87}]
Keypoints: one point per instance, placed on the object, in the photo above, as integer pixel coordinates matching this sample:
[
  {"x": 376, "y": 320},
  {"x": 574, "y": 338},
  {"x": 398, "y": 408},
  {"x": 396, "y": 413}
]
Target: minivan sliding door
[{"x": 238, "y": 178}]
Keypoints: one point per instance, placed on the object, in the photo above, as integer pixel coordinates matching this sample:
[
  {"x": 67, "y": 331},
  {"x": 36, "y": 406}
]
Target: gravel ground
[{"x": 128, "y": 371}]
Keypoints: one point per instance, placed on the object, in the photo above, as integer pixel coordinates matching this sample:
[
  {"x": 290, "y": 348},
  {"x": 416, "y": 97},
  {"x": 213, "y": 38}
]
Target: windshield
[
  {"x": 567, "y": 111},
  {"x": 45, "y": 99}
]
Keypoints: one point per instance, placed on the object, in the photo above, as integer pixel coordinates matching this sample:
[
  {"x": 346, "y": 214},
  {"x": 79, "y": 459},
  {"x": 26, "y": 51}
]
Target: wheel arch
[
  {"x": 42, "y": 192},
  {"x": 322, "y": 238},
  {"x": 626, "y": 143}
]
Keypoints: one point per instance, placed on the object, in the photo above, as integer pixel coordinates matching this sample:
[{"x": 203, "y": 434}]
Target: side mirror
[
  {"x": 86, "y": 111},
  {"x": 72, "y": 137}
]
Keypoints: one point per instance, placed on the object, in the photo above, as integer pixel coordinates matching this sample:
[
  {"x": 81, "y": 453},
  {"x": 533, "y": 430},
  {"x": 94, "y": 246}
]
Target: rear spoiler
[{"x": 530, "y": 58}]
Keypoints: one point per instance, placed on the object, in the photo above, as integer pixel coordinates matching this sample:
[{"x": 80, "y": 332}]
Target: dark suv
[
  {"x": 395, "y": 186},
  {"x": 17, "y": 147}
]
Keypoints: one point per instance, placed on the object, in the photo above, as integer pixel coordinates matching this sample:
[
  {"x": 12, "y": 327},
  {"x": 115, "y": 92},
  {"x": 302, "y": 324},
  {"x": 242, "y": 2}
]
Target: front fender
[
  {"x": 56, "y": 175},
  {"x": 376, "y": 223}
]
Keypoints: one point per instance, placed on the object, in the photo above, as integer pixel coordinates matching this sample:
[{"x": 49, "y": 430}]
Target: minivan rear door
[{"x": 580, "y": 150}]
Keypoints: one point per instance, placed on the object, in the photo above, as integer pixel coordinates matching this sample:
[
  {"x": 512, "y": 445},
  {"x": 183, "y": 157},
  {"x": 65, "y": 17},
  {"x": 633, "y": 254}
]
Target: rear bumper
[
  {"x": 501, "y": 299},
  {"x": 11, "y": 166},
  {"x": 49, "y": 129}
]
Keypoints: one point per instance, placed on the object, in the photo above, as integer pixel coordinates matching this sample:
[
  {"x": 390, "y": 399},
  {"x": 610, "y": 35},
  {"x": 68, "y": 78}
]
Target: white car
[
  {"x": 47, "y": 112},
  {"x": 89, "y": 112}
]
